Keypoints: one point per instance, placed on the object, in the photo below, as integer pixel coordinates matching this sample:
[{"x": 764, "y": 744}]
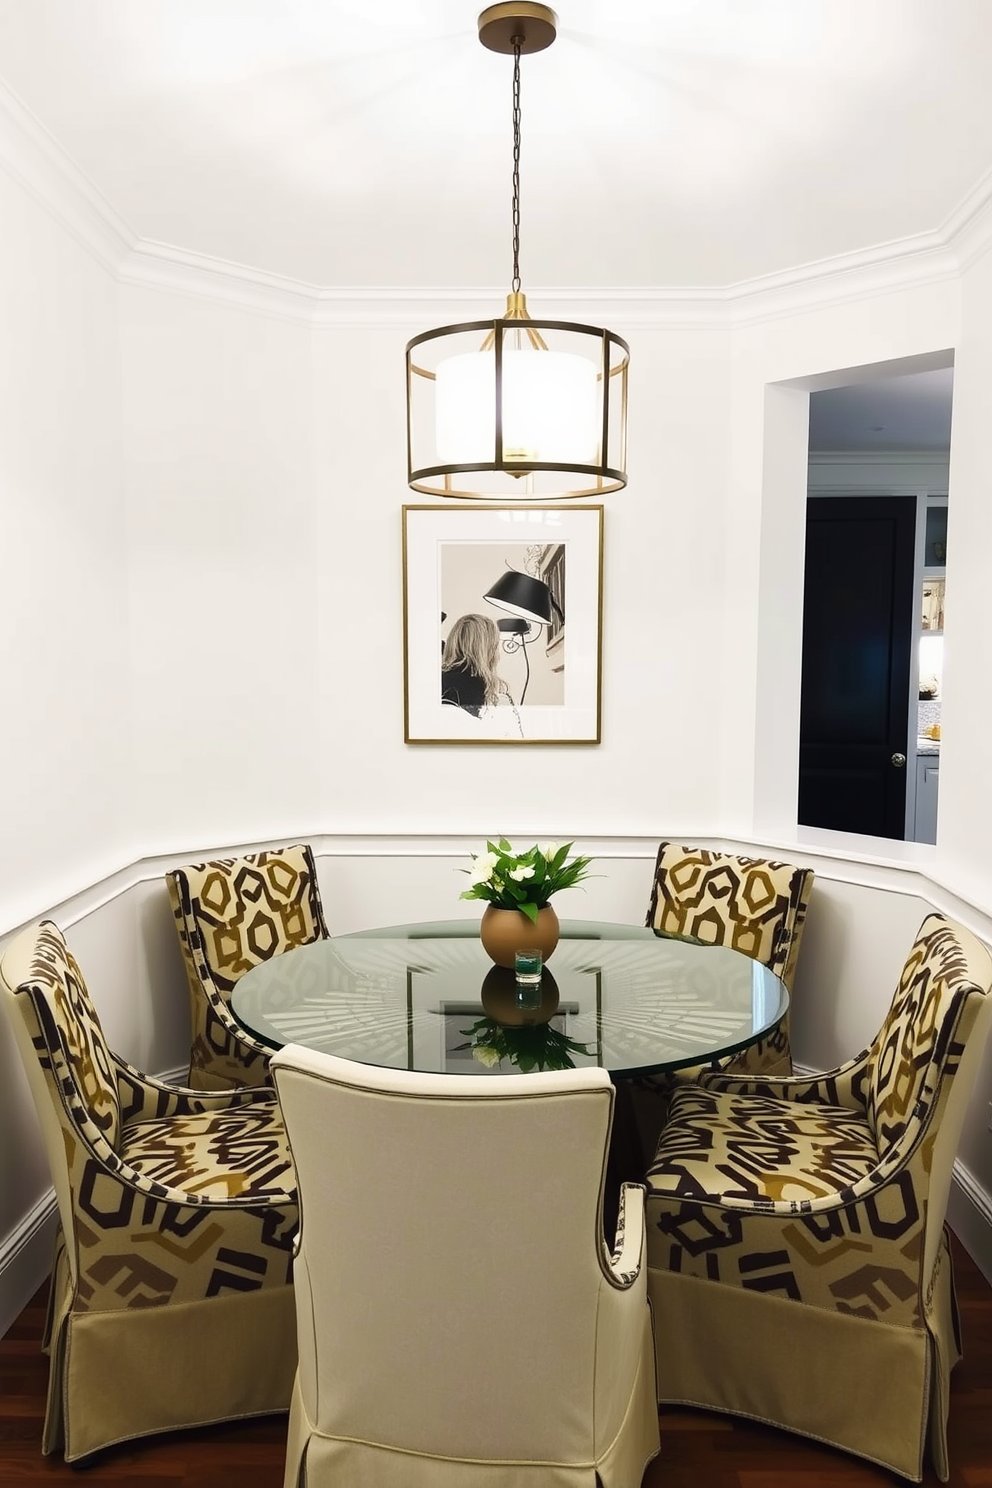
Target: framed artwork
[{"x": 502, "y": 624}]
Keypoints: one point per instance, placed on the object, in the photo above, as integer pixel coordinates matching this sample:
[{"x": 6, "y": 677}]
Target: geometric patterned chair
[
  {"x": 231, "y": 915},
  {"x": 461, "y": 1321},
  {"x": 798, "y": 1263},
  {"x": 171, "y": 1298},
  {"x": 753, "y": 905}
]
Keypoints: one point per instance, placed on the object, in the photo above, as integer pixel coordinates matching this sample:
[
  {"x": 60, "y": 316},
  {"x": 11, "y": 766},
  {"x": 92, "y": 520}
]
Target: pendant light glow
[{"x": 549, "y": 407}]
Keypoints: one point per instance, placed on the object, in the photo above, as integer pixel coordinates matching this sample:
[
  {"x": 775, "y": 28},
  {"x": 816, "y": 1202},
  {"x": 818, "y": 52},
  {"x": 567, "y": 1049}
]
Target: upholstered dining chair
[
  {"x": 797, "y": 1258},
  {"x": 461, "y": 1323},
  {"x": 231, "y": 915},
  {"x": 171, "y": 1294},
  {"x": 753, "y": 905}
]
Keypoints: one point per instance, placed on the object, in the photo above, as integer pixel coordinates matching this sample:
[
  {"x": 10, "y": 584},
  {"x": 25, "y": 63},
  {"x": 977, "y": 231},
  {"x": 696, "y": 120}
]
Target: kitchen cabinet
[
  {"x": 932, "y": 608},
  {"x": 927, "y": 776},
  {"x": 935, "y": 535}
]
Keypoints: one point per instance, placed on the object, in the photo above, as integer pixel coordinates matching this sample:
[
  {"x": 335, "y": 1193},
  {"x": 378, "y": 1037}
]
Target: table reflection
[{"x": 523, "y": 1027}]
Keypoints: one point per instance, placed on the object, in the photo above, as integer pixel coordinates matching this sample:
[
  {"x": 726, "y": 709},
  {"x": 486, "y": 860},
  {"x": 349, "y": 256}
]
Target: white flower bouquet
[{"x": 524, "y": 880}]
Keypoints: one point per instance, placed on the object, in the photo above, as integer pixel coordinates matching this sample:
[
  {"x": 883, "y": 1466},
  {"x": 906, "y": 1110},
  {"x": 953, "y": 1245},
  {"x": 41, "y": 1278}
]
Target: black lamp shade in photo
[{"x": 522, "y": 595}]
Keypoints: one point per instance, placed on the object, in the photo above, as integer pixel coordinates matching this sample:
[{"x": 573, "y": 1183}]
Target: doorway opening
[{"x": 873, "y": 602}]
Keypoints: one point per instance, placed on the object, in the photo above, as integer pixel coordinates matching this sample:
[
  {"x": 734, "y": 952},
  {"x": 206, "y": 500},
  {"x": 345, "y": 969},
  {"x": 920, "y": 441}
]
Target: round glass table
[{"x": 427, "y": 997}]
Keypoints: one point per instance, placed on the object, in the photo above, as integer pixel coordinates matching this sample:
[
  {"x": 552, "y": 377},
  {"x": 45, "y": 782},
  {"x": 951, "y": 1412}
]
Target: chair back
[
  {"x": 451, "y": 1259},
  {"x": 753, "y": 905},
  {"x": 931, "y": 1034},
  {"x": 234, "y": 913},
  {"x": 69, "y": 1068},
  {"x": 47, "y": 997}
]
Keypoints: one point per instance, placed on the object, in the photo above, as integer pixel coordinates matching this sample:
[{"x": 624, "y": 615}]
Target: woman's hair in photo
[{"x": 473, "y": 642}]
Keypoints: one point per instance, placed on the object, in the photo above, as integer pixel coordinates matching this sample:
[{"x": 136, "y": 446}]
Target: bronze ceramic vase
[{"x": 504, "y": 932}]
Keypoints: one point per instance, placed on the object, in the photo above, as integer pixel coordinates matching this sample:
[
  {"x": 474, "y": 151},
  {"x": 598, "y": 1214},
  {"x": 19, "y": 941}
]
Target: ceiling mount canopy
[
  {"x": 515, "y": 408},
  {"x": 500, "y": 27}
]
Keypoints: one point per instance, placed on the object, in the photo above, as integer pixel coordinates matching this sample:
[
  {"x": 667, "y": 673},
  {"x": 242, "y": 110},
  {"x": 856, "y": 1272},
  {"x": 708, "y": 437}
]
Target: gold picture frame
[{"x": 502, "y": 624}]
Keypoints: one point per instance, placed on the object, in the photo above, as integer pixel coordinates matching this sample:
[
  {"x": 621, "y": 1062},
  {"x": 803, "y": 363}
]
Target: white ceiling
[
  {"x": 893, "y": 413},
  {"x": 670, "y": 143}
]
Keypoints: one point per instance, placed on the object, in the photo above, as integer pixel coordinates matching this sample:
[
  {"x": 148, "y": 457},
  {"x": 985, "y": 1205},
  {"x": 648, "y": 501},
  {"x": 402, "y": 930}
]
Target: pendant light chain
[{"x": 515, "y": 285}]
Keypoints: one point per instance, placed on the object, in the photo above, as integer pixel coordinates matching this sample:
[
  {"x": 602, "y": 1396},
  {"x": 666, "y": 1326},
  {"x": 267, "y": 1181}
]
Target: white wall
[
  {"x": 664, "y": 582},
  {"x": 776, "y": 360},
  {"x": 965, "y": 819},
  {"x": 66, "y": 747},
  {"x": 225, "y": 570}
]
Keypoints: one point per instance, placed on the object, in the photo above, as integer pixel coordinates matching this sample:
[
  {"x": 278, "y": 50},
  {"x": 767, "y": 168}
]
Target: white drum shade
[{"x": 549, "y": 408}]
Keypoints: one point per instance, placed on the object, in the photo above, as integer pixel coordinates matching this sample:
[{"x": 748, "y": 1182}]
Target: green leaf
[{"x": 530, "y": 910}]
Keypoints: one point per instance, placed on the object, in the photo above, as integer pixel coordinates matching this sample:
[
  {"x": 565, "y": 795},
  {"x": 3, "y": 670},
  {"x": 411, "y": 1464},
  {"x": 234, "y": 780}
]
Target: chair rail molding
[{"x": 897, "y": 867}]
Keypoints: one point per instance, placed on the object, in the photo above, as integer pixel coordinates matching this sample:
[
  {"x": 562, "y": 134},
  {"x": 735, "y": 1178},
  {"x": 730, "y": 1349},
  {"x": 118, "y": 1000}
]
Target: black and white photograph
[{"x": 502, "y": 621}]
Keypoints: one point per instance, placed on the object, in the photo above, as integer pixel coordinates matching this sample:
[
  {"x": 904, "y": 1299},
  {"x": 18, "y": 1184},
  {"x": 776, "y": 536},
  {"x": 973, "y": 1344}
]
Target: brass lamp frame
[{"x": 435, "y": 480}]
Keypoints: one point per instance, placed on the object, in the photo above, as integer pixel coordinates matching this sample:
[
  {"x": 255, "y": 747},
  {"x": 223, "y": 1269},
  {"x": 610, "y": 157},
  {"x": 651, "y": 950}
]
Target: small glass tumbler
[{"x": 527, "y": 965}]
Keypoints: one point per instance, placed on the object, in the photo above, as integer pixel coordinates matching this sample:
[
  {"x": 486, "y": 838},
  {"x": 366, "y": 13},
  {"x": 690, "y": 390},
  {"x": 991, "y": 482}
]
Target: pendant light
[{"x": 517, "y": 409}]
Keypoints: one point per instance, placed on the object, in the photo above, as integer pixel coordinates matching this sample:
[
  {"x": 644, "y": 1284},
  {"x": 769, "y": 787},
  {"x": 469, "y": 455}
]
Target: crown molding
[
  {"x": 969, "y": 226},
  {"x": 840, "y": 281},
  {"x": 163, "y": 267},
  {"x": 913, "y": 458},
  {"x": 35, "y": 158}
]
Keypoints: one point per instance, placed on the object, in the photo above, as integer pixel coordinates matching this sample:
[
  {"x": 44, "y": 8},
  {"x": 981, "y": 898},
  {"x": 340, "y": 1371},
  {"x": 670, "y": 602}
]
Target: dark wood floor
[{"x": 698, "y": 1450}]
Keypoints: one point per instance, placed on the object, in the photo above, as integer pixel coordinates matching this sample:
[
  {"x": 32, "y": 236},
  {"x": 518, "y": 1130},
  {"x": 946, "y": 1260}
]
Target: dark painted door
[{"x": 857, "y": 635}]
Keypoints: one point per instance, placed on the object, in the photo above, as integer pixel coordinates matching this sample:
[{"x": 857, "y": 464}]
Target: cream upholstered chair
[
  {"x": 797, "y": 1259},
  {"x": 231, "y": 915},
  {"x": 172, "y": 1299},
  {"x": 460, "y": 1322},
  {"x": 753, "y": 905}
]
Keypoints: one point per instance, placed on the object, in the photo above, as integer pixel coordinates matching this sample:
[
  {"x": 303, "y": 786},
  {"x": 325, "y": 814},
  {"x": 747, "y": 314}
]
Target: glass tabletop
[{"x": 427, "y": 997}]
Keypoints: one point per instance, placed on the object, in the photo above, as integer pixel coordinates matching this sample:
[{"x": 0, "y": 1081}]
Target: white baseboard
[
  {"x": 26, "y": 1258},
  {"x": 969, "y": 1214},
  {"x": 26, "y": 1253}
]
